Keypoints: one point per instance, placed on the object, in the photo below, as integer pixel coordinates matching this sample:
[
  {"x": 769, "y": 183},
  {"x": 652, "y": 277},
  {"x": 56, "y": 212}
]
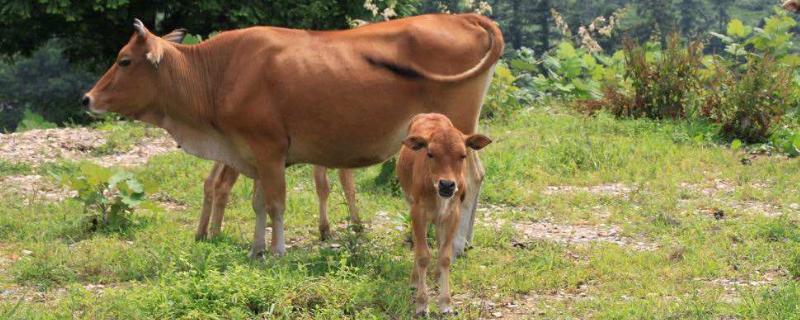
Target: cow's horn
[{"x": 139, "y": 26}]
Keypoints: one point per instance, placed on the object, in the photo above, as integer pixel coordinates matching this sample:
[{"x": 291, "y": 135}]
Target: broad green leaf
[
  {"x": 737, "y": 29},
  {"x": 736, "y": 145},
  {"x": 566, "y": 50}
]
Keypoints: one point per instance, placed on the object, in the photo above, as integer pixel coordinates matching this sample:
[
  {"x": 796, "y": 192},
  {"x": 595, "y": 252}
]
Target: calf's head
[
  {"x": 445, "y": 150},
  {"x": 131, "y": 85}
]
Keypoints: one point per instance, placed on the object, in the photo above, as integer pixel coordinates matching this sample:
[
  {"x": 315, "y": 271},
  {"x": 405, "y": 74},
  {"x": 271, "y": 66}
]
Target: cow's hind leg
[
  {"x": 474, "y": 180},
  {"x": 349, "y": 187},
  {"x": 323, "y": 190},
  {"x": 208, "y": 202},
  {"x": 222, "y": 189}
]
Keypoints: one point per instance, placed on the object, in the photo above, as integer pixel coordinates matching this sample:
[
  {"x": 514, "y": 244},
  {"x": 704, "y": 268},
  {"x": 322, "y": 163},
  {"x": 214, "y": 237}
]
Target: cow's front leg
[
  {"x": 473, "y": 179},
  {"x": 269, "y": 197}
]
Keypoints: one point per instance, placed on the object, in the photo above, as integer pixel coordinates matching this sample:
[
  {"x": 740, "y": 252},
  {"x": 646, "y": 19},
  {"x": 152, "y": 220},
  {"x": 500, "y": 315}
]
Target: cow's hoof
[
  {"x": 448, "y": 312},
  {"x": 278, "y": 252},
  {"x": 257, "y": 255}
]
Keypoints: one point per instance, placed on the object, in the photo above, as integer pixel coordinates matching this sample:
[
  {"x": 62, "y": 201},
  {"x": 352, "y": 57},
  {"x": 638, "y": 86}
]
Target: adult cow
[{"x": 262, "y": 98}]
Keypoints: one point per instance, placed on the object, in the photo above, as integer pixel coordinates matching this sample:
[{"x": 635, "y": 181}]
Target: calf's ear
[
  {"x": 415, "y": 142},
  {"x": 477, "y": 141},
  {"x": 791, "y": 5}
]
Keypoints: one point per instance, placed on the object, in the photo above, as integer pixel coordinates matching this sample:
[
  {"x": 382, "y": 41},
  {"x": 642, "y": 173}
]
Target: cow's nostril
[{"x": 86, "y": 101}]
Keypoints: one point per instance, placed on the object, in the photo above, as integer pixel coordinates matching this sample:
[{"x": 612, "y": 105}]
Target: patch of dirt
[
  {"x": 34, "y": 187},
  {"x": 568, "y": 234},
  {"x": 733, "y": 287},
  {"x": 719, "y": 192},
  {"x": 525, "y": 306},
  {"x": 36, "y": 147},
  {"x": 612, "y": 190},
  {"x": 578, "y": 234}
]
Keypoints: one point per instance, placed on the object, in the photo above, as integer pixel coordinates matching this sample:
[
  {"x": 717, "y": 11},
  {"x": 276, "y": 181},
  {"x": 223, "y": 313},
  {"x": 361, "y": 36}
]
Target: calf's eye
[
  {"x": 124, "y": 62},
  {"x": 430, "y": 155}
]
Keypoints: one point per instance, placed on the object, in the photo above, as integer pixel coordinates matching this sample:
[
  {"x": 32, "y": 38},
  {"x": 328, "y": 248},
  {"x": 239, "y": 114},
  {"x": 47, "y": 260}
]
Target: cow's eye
[
  {"x": 124, "y": 62},
  {"x": 463, "y": 156},
  {"x": 430, "y": 155}
]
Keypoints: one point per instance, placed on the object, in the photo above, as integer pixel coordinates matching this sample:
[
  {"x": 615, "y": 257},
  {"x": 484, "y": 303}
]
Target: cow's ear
[
  {"x": 415, "y": 142},
  {"x": 141, "y": 30},
  {"x": 155, "y": 52},
  {"x": 176, "y": 36},
  {"x": 477, "y": 141}
]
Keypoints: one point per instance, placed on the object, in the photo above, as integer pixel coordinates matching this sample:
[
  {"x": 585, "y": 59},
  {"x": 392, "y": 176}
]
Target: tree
[{"x": 93, "y": 31}]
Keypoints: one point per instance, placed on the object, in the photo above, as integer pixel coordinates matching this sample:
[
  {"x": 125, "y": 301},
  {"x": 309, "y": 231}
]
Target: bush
[
  {"x": 45, "y": 84},
  {"x": 109, "y": 197},
  {"x": 663, "y": 82},
  {"x": 503, "y": 97},
  {"x": 748, "y": 105},
  {"x": 31, "y": 120}
]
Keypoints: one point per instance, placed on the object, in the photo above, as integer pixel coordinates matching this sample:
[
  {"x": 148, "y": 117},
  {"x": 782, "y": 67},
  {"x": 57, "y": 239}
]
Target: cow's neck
[{"x": 187, "y": 106}]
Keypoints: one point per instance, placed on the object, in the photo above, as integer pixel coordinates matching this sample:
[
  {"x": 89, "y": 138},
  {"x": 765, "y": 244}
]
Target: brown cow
[
  {"x": 218, "y": 186},
  {"x": 262, "y": 98},
  {"x": 431, "y": 172}
]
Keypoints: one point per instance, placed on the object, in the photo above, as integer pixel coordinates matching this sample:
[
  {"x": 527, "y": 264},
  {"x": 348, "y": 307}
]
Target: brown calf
[
  {"x": 220, "y": 181},
  {"x": 431, "y": 170}
]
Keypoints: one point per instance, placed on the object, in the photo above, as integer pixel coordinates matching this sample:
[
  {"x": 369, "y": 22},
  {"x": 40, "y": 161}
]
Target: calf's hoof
[
  {"x": 200, "y": 237},
  {"x": 324, "y": 233},
  {"x": 357, "y": 227},
  {"x": 421, "y": 314}
]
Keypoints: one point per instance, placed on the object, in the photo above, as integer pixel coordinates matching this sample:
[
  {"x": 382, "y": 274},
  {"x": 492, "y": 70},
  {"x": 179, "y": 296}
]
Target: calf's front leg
[
  {"x": 422, "y": 257},
  {"x": 446, "y": 229}
]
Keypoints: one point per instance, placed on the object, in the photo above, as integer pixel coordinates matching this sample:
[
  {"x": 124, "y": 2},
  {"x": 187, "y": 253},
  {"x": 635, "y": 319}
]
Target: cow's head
[
  {"x": 445, "y": 150},
  {"x": 130, "y": 86}
]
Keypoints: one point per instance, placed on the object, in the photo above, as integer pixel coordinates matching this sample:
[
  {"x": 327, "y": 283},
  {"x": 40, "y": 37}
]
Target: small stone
[
  {"x": 794, "y": 206},
  {"x": 26, "y": 252},
  {"x": 335, "y": 245},
  {"x": 497, "y": 314}
]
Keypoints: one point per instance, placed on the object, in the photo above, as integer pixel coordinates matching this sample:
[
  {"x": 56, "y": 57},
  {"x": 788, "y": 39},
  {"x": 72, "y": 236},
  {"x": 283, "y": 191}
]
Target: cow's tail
[
  {"x": 493, "y": 53},
  {"x": 414, "y": 71}
]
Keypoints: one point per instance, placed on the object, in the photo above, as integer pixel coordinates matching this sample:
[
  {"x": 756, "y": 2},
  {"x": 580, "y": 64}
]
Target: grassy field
[{"x": 581, "y": 218}]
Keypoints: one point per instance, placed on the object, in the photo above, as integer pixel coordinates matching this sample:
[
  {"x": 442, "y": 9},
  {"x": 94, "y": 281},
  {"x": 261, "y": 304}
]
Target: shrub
[
  {"x": 46, "y": 84},
  {"x": 663, "y": 82},
  {"x": 749, "y": 104},
  {"x": 31, "y": 120},
  {"x": 109, "y": 197},
  {"x": 503, "y": 97}
]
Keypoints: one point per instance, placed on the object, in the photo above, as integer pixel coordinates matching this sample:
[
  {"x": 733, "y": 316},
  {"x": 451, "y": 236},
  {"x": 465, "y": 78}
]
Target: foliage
[
  {"x": 95, "y": 30},
  {"x": 43, "y": 83},
  {"x": 749, "y": 105},
  {"x": 108, "y": 196},
  {"x": 566, "y": 72},
  {"x": 504, "y": 97},
  {"x": 31, "y": 120},
  {"x": 663, "y": 82}
]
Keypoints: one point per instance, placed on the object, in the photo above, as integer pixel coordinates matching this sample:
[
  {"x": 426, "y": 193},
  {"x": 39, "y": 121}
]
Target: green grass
[{"x": 158, "y": 271}]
